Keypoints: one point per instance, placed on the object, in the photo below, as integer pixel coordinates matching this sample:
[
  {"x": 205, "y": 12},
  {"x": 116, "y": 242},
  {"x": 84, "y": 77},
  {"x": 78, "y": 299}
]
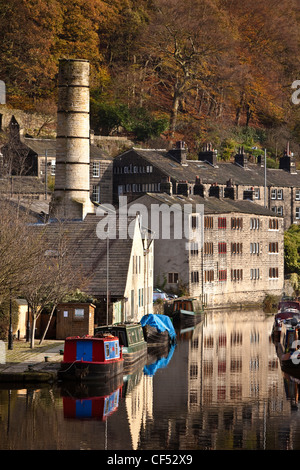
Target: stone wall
[
  {"x": 30, "y": 122},
  {"x": 111, "y": 144}
]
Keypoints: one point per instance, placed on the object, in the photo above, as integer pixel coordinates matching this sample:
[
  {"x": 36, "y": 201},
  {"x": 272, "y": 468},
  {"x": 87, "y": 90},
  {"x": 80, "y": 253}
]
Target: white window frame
[
  {"x": 256, "y": 193},
  {"x": 280, "y": 210},
  {"x": 53, "y": 167},
  {"x": 96, "y": 193},
  {"x": 96, "y": 170}
]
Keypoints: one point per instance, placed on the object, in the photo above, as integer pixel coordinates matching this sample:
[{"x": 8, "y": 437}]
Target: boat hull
[
  {"x": 81, "y": 390},
  {"x": 155, "y": 337},
  {"x": 134, "y": 355},
  {"x": 188, "y": 317},
  {"x": 90, "y": 371}
]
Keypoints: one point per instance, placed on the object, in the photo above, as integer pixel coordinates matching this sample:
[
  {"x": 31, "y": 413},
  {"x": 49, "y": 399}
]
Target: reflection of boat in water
[
  {"x": 158, "y": 330},
  {"x": 292, "y": 390},
  {"x": 131, "y": 339},
  {"x": 132, "y": 379},
  {"x": 160, "y": 363},
  {"x": 91, "y": 401},
  {"x": 89, "y": 359}
]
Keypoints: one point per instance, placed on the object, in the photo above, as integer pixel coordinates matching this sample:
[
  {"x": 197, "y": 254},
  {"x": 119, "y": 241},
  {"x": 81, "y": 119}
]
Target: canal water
[{"x": 221, "y": 388}]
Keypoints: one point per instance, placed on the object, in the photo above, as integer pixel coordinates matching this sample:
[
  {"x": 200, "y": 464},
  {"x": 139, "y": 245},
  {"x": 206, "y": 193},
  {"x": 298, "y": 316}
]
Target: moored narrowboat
[
  {"x": 186, "y": 309},
  {"x": 131, "y": 339},
  {"x": 88, "y": 359},
  {"x": 158, "y": 330},
  {"x": 287, "y": 309},
  {"x": 288, "y": 349}
]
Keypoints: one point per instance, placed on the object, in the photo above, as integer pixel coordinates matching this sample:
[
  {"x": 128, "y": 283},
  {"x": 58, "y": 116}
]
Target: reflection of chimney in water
[{"x": 72, "y": 180}]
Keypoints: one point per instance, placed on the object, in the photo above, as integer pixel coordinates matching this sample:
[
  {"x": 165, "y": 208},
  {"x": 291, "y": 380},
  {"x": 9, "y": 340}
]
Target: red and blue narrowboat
[{"x": 91, "y": 359}]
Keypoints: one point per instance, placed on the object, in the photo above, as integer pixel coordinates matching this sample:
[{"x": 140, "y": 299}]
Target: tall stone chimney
[
  {"x": 179, "y": 153},
  {"x": 241, "y": 158},
  {"x": 208, "y": 155},
  {"x": 288, "y": 162},
  {"x": 72, "y": 180}
]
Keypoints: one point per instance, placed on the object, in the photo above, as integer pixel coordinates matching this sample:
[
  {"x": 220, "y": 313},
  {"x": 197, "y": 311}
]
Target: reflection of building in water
[
  {"x": 232, "y": 357},
  {"x": 234, "y": 373},
  {"x": 139, "y": 407}
]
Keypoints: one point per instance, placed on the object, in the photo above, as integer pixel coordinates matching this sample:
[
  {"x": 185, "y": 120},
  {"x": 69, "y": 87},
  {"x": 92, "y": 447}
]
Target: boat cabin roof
[
  {"x": 91, "y": 338},
  {"x": 128, "y": 333},
  {"x": 184, "y": 299}
]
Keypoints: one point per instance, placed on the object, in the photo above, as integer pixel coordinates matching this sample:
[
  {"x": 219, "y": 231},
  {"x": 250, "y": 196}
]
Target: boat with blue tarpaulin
[{"x": 158, "y": 330}]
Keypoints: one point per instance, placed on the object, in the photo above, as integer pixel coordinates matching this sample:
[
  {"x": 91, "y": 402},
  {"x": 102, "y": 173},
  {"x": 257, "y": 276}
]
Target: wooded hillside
[{"x": 197, "y": 70}]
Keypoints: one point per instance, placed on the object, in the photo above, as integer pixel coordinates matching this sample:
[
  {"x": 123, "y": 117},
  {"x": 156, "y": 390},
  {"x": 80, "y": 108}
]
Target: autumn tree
[
  {"x": 28, "y": 33},
  {"x": 266, "y": 49}
]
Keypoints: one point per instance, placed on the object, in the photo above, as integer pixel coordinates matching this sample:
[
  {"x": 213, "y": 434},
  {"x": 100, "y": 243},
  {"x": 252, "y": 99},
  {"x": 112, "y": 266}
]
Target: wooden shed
[{"x": 75, "y": 319}]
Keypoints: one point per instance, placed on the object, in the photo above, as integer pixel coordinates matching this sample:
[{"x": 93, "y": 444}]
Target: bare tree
[
  {"x": 53, "y": 276},
  {"x": 19, "y": 249}
]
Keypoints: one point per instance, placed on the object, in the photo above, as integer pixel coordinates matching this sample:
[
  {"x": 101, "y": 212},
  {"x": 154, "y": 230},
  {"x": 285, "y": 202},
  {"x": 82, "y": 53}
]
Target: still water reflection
[{"x": 221, "y": 388}]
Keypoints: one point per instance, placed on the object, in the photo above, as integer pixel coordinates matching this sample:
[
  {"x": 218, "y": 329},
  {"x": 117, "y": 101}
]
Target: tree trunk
[
  {"x": 248, "y": 115},
  {"x": 174, "y": 113},
  {"x": 239, "y": 109},
  {"x": 33, "y": 330},
  {"x": 238, "y": 116},
  {"x": 48, "y": 324}
]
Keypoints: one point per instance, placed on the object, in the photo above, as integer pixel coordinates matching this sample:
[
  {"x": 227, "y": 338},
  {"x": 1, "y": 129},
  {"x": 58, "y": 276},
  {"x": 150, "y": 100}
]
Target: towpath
[{"x": 23, "y": 363}]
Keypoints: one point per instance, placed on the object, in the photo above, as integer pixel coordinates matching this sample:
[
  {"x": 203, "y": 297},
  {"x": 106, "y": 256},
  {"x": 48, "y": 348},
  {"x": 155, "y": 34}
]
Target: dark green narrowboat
[
  {"x": 131, "y": 339},
  {"x": 186, "y": 309}
]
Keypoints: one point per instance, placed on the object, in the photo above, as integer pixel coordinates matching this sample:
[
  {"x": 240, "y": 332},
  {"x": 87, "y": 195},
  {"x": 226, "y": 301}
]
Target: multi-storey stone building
[
  {"x": 137, "y": 171},
  {"x": 232, "y": 254}
]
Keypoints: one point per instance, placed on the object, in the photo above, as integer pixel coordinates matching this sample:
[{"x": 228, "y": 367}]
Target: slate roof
[
  {"x": 91, "y": 253},
  {"x": 21, "y": 185},
  {"x": 40, "y": 146},
  {"x": 212, "y": 205},
  {"x": 252, "y": 175}
]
